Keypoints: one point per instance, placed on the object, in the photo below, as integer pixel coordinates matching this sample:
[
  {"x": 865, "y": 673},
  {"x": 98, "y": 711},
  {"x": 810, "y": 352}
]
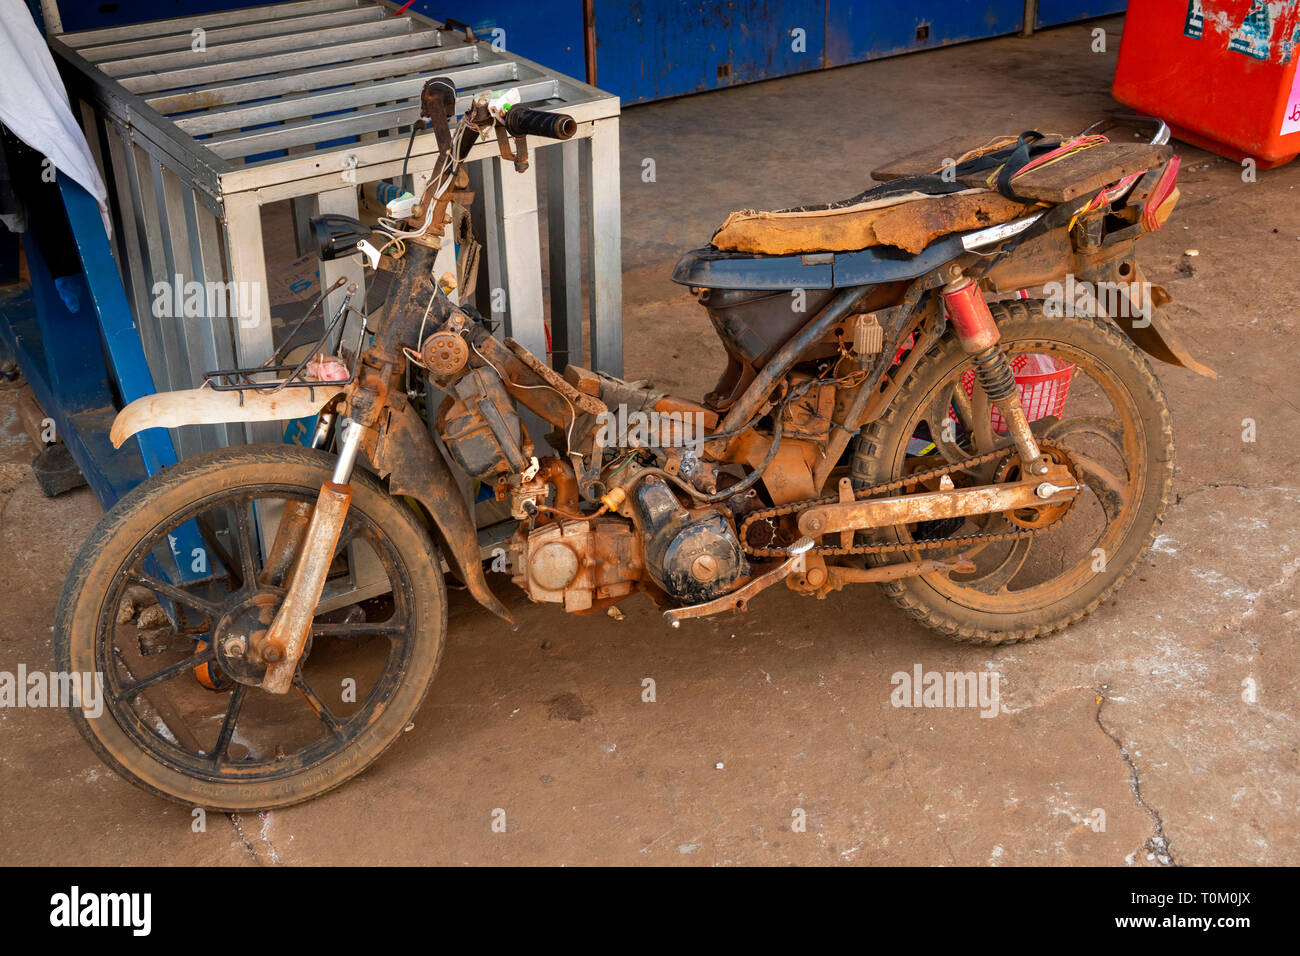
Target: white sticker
[{"x": 1291, "y": 114}]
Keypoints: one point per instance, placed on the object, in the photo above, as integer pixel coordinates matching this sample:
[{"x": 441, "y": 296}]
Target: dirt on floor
[{"x": 1162, "y": 730}]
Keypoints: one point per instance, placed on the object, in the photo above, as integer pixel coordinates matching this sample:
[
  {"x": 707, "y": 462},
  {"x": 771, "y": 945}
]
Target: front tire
[{"x": 216, "y": 741}]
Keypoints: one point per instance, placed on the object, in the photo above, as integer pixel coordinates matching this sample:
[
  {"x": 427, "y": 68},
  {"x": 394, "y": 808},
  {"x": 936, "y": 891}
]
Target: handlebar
[{"x": 521, "y": 121}]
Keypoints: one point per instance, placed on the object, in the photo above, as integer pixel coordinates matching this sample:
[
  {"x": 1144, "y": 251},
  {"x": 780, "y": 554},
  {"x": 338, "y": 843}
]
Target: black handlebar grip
[{"x": 521, "y": 121}]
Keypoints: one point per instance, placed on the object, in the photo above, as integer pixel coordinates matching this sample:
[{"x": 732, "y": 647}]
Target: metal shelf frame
[{"x": 200, "y": 121}]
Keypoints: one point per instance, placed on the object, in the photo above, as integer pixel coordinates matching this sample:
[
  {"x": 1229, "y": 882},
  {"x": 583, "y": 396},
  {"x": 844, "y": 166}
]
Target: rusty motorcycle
[{"x": 893, "y": 410}]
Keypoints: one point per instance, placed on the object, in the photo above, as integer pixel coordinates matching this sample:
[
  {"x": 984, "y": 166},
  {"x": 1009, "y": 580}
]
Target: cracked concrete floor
[{"x": 1171, "y": 711}]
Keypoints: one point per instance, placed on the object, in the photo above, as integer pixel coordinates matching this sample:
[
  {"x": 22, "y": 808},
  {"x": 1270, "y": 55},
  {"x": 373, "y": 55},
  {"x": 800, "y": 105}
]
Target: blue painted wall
[
  {"x": 1053, "y": 12},
  {"x": 548, "y": 32},
  {"x": 878, "y": 28},
  {"x": 89, "y": 14},
  {"x": 650, "y": 49}
]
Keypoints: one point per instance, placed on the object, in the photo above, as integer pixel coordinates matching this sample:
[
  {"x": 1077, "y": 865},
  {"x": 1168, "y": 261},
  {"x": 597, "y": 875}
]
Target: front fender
[
  {"x": 405, "y": 453},
  {"x": 206, "y": 406}
]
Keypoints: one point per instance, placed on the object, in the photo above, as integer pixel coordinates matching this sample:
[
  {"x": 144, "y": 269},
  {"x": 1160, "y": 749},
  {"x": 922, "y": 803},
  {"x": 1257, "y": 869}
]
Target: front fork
[
  {"x": 979, "y": 337},
  {"x": 307, "y": 546}
]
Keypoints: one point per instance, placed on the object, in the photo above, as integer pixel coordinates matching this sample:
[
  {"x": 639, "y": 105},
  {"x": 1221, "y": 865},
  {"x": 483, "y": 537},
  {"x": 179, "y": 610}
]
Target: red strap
[{"x": 1164, "y": 186}]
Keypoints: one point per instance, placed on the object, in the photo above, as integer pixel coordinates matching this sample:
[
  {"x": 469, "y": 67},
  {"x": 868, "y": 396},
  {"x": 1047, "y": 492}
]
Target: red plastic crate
[{"x": 1221, "y": 73}]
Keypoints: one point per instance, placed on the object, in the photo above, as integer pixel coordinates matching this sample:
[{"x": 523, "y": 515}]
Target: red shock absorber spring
[{"x": 979, "y": 336}]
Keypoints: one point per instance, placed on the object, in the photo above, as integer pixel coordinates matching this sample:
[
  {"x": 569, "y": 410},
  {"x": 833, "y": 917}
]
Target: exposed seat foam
[{"x": 907, "y": 214}]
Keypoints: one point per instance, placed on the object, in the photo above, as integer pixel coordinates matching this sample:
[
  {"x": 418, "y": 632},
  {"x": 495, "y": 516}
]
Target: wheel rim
[
  {"x": 242, "y": 733},
  {"x": 1100, "y": 428}
]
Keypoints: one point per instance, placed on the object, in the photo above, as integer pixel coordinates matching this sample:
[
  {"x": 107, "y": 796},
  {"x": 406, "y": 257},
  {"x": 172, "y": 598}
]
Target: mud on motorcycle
[{"x": 885, "y": 435}]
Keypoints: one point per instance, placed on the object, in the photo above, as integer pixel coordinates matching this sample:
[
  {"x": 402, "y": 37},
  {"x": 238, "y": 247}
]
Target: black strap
[
  {"x": 1017, "y": 161},
  {"x": 1029, "y": 145}
]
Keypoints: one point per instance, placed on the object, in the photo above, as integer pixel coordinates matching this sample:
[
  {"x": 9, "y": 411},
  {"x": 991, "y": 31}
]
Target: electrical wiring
[
  {"x": 1107, "y": 195},
  {"x": 392, "y": 241},
  {"x": 415, "y": 127},
  {"x": 414, "y": 357},
  {"x": 447, "y": 174},
  {"x": 390, "y": 228}
]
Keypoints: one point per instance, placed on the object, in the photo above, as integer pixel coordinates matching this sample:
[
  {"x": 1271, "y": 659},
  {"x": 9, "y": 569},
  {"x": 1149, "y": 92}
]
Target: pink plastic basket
[{"x": 1043, "y": 383}]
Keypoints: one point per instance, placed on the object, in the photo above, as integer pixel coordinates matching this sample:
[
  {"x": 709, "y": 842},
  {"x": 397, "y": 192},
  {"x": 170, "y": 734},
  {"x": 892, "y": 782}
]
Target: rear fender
[
  {"x": 1154, "y": 335},
  {"x": 1048, "y": 259},
  {"x": 1151, "y": 330}
]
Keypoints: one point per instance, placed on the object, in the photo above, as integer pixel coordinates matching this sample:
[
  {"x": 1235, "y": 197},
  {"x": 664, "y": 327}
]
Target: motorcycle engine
[
  {"x": 583, "y": 565},
  {"x": 693, "y": 555}
]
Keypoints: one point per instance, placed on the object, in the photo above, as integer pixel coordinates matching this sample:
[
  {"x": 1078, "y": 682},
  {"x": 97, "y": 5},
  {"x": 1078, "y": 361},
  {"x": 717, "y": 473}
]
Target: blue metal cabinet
[
  {"x": 1052, "y": 12},
  {"x": 68, "y": 357},
  {"x": 651, "y": 49}
]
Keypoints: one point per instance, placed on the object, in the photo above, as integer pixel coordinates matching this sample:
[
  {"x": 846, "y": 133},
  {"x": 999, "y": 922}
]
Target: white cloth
[{"x": 34, "y": 105}]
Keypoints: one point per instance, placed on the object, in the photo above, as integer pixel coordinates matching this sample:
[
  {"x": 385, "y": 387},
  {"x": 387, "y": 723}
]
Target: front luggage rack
[{"x": 246, "y": 378}]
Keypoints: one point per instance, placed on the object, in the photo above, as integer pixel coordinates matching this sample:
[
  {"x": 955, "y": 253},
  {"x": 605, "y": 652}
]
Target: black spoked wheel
[{"x": 169, "y": 599}]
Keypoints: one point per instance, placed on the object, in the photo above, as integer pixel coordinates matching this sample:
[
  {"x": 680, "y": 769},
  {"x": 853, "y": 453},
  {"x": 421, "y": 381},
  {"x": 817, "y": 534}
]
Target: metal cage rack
[{"x": 201, "y": 122}]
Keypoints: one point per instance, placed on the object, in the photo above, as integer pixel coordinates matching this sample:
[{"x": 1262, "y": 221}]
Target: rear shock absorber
[{"x": 979, "y": 337}]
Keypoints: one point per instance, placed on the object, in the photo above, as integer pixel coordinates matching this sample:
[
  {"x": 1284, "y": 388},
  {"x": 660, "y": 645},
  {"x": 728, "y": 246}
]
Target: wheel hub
[
  {"x": 240, "y": 636},
  {"x": 1043, "y": 515}
]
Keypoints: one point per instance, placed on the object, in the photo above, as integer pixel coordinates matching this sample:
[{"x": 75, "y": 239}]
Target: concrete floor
[{"x": 1140, "y": 711}]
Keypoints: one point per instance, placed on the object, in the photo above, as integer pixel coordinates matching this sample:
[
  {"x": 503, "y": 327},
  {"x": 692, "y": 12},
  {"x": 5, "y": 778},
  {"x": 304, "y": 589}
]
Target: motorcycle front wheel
[
  {"x": 168, "y": 593},
  {"x": 1089, "y": 393}
]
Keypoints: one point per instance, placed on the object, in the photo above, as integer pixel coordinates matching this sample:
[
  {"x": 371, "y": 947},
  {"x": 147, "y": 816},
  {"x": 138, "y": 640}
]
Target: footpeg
[{"x": 738, "y": 598}]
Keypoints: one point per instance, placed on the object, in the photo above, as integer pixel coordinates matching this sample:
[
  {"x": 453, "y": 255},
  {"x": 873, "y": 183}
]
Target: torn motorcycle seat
[{"x": 906, "y": 213}]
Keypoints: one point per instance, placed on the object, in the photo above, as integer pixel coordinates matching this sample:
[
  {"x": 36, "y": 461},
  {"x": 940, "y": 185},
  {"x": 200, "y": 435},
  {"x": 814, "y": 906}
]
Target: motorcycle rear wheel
[
  {"x": 1116, "y": 428},
  {"x": 188, "y": 721}
]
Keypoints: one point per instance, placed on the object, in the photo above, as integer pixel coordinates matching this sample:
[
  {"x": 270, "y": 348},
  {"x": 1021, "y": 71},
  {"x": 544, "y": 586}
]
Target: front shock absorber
[{"x": 979, "y": 337}]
